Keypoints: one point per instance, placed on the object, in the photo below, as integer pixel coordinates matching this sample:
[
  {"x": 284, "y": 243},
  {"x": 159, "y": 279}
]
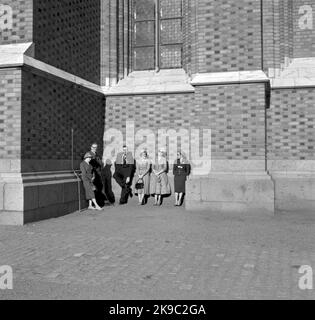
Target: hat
[{"x": 88, "y": 155}]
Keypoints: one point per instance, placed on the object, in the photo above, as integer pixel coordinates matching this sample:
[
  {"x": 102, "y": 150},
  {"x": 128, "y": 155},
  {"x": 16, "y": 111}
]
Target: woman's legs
[
  {"x": 176, "y": 198},
  {"x": 142, "y": 197},
  {"x": 91, "y": 205},
  {"x": 139, "y": 198},
  {"x": 97, "y": 207},
  {"x": 159, "y": 199},
  {"x": 180, "y": 198}
]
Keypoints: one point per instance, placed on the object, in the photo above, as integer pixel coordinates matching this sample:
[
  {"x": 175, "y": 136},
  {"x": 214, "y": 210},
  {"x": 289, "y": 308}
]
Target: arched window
[{"x": 157, "y": 41}]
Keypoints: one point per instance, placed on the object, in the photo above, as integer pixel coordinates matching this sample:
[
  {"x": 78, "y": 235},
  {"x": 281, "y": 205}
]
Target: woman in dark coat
[
  {"x": 87, "y": 178},
  {"x": 181, "y": 171}
]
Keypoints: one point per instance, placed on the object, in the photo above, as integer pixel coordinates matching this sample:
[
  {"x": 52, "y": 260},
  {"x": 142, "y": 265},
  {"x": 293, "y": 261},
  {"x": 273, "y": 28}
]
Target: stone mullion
[
  {"x": 113, "y": 42},
  {"x": 276, "y": 34},
  {"x": 105, "y": 41},
  {"x": 194, "y": 36},
  {"x": 126, "y": 37},
  {"x": 130, "y": 36},
  {"x": 120, "y": 36}
]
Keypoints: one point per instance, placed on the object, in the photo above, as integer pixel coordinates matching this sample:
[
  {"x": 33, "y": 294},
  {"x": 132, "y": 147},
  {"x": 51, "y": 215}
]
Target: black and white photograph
[{"x": 157, "y": 150}]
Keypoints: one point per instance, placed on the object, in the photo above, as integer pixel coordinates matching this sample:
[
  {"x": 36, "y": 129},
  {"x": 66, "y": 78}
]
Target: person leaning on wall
[
  {"x": 124, "y": 170},
  {"x": 106, "y": 175},
  {"x": 142, "y": 177},
  {"x": 181, "y": 170},
  {"x": 97, "y": 165},
  {"x": 159, "y": 183},
  {"x": 87, "y": 178}
]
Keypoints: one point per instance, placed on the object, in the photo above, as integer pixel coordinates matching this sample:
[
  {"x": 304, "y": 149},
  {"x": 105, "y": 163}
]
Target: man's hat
[{"x": 88, "y": 155}]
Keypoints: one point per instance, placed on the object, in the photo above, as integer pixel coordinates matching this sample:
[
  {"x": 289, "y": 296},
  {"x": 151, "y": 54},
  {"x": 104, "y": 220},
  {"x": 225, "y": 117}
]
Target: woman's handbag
[{"x": 140, "y": 184}]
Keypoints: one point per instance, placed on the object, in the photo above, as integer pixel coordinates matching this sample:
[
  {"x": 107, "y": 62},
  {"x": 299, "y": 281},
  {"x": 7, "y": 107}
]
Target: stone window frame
[{"x": 158, "y": 44}]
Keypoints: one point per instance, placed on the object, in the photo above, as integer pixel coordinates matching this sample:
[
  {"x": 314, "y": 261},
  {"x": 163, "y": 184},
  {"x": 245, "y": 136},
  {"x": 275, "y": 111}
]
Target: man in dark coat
[
  {"x": 124, "y": 170},
  {"x": 107, "y": 181}
]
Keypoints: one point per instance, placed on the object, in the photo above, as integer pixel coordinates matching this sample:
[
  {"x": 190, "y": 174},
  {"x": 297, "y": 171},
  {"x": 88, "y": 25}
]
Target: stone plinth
[
  {"x": 231, "y": 192},
  {"x": 295, "y": 192},
  {"x": 32, "y": 197}
]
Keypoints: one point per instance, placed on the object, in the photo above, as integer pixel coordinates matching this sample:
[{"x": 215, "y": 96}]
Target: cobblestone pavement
[{"x": 136, "y": 252}]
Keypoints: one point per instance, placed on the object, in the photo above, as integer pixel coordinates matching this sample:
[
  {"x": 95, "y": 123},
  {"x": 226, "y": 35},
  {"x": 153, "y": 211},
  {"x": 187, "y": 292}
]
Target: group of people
[{"x": 143, "y": 176}]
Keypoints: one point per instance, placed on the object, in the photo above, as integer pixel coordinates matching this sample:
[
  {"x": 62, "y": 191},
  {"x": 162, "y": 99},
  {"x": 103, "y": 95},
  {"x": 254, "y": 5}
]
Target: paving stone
[{"x": 130, "y": 253}]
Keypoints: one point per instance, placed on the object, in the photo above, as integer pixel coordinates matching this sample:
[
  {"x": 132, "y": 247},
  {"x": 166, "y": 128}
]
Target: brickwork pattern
[
  {"x": 171, "y": 111},
  {"x": 229, "y": 37},
  {"x": 304, "y": 40},
  {"x": 10, "y": 114},
  {"x": 235, "y": 114},
  {"x": 22, "y": 22},
  {"x": 283, "y": 37},
  {"x": 50, "y": 109},
  {"x": 278, "y": 18},
  {"x": 67, "y": 35},
  {"x": 291, "y": 125}
]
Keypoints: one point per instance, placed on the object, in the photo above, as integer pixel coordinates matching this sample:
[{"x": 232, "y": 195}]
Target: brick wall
[
  {"x": 150, "y": 111},
  {"x": 291, "y": 125},
  {"x": 235, "y": 114},
  {"x": 283, "y": 37},
  {"x": 50, "y": 108},
  {"x": 67, "y": 35},
  {"x": 229, "y": 37},
  {"x": 10, "y": 113},
  {"x": 22, "y": 22},
  {"x": 278, "y": 32},
  {"x": 304, "y": 40}
]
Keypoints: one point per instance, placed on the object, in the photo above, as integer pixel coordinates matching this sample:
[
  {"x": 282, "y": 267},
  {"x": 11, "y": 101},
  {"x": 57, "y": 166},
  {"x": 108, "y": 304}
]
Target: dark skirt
[
  {"x": 180, "y": 184},
  {"x": 89, "y": 192}
]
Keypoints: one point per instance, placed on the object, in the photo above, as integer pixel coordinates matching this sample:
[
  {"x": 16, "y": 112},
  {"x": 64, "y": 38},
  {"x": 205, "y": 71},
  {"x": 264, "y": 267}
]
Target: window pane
[
  {"x": 171, "y": 56},
  {"x": 171, "y": 31},
  {"x": 144, "y": 33},
  {"x": 170, "y": 8},
  {"x": 144, "y": 58},
  {"x": 144, "y": 9}
]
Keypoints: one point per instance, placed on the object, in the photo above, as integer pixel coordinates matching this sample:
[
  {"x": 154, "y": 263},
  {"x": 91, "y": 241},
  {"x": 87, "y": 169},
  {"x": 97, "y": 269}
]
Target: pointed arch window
[{"x": 157, "y": 41}]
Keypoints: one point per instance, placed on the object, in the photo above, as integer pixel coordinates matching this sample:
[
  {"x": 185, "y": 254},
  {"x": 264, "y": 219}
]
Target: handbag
[{"x": 140, "y": 184}]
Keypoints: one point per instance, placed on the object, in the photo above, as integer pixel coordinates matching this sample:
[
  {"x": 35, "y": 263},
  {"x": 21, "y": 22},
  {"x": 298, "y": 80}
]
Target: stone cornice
[
  {"x": 14, "y": 55},
  {"x": 149, "y": 82},
  {"x": 234, "y": 77}
]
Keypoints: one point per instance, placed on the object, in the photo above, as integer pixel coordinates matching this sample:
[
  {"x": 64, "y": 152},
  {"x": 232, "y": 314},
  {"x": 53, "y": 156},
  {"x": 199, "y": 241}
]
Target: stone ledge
[
  {"x": 234, "y": 77},
  {"x": 152, "y": 82},
  {"x": 16, "y": 55}
]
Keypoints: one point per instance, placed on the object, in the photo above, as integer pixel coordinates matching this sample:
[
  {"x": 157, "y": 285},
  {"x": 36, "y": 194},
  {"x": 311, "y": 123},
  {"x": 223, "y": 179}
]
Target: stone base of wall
[
  {"x": 294, "y": 192},
  {"x": 231, "y": 192},
  {"x": 33, "y": 197}
]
